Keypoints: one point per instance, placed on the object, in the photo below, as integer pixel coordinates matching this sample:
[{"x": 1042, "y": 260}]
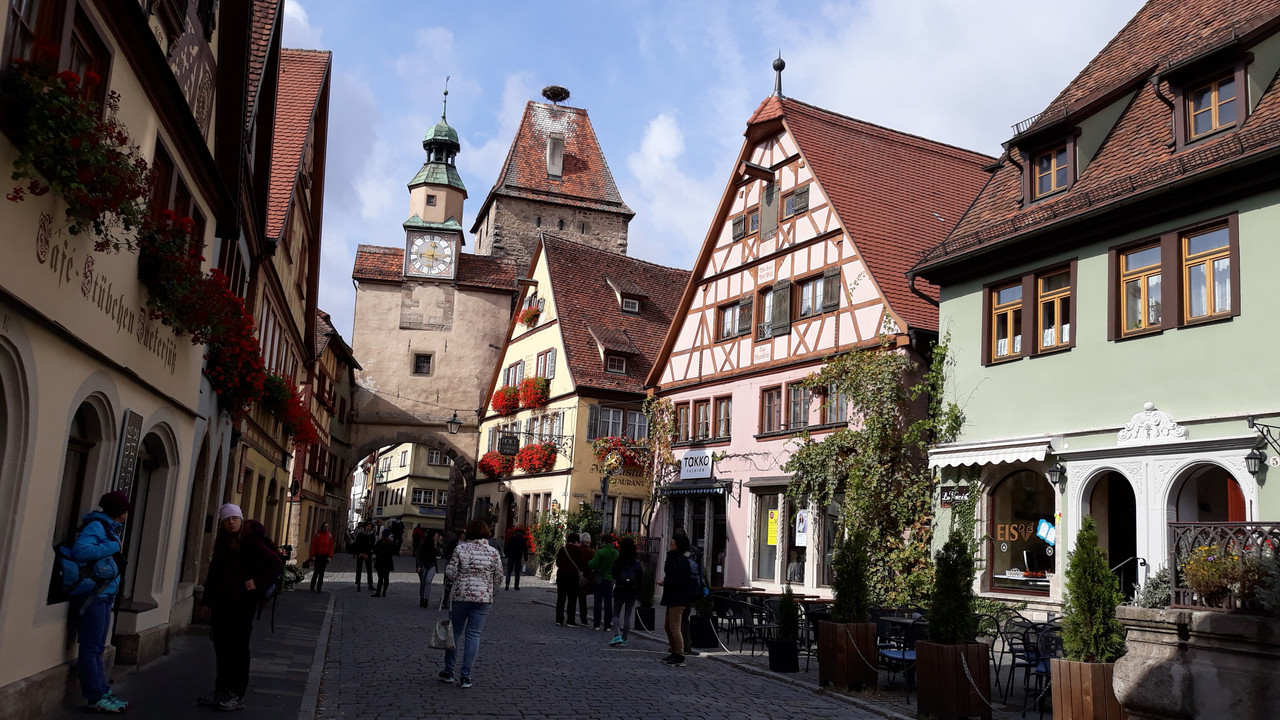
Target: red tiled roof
[
  {"x": 265, "y": 13},
  {"x": 585, "y": 302},
  {"x": 386, "y": 264},
  {"x": 303, "y": 74},
  {"x": 896, "y": 194},
  {"x": 1136, "y": 156},
  {"x": 585, "y": 180}
]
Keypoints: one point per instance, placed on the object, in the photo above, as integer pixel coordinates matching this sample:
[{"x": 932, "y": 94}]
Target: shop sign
[
  {"x": 952, "y": 494},
  {"x": 773, "y": 527},
  {"x": 508, "y": 444},
  {"x": 695, "y": 465},
  {"x": 802, "y": 528},
  {"x": 128, "y": 464}
]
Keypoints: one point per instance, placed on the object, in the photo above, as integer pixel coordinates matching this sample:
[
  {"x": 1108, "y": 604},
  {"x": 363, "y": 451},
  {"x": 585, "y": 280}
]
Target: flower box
[
  {"x": 495, "y": 464},
  {"x": 505, "y": 400},
  {"x": 631, "y": 452},
  {"x": 536, "y": 457},
  {"x": 529, "y": 316},
  {"x": 534, "y": 392}
]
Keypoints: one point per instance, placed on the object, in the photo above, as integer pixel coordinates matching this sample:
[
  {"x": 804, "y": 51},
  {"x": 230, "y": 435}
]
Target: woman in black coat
[
  {"x": 245, "y": 565},
  {"x": 425, "y": 565},
  {"x": 677, "y": 593},
  {"x": 383, "y": 564}
]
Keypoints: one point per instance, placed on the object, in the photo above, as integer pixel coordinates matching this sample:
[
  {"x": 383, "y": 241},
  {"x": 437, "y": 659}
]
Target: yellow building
[
  {"x": 591, "y": 323},
  {"x": 412, "y": 484}
]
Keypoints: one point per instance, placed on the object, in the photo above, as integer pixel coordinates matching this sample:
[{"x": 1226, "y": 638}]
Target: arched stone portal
[{"x": 368, "y": 437}]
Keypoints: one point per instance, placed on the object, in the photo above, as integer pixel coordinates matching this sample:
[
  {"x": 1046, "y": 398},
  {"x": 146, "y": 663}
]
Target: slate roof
[
  {"x": 587, "y": 308},
  {"x": 326, "y": 333},
  {"x": 262, "y": 25},
  {"x": 1137, "y": 156},
  {"x": 376, "y": 263},
  {"x": 303, "y": 74},
  {"x": 585, "y": 181}
]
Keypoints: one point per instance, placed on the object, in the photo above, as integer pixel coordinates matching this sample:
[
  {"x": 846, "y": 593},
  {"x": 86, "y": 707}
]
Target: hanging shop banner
[
  {"x": 802, "y": 528},
  {"x": 127, "y": 465},
  {"x": 1047, "y": 532},
  {"x": 773, "y": 527},
  {"x": 695, "y": 465}
]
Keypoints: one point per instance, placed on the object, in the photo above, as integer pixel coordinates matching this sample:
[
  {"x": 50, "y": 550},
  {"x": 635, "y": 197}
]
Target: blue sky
[{"x": 669, "y": 87}]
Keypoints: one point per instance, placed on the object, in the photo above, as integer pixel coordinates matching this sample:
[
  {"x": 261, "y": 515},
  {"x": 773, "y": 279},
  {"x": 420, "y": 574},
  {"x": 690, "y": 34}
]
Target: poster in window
[
  {"x": 772, "y": 531},
  {"x": 802, "y": 528}
]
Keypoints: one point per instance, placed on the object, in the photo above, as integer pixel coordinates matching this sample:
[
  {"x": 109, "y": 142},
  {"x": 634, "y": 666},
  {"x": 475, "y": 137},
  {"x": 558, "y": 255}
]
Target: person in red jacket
[{"x": 321, "y": 551}]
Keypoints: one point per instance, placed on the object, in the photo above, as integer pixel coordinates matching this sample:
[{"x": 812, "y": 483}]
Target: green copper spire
[{"x": 442, "y": 146}]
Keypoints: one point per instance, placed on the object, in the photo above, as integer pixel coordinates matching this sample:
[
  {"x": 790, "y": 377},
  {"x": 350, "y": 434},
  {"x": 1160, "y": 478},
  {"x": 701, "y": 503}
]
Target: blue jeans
[
  {"x": 604, "y": 598},
  {"x": 471, "y": 615},
  {"x": 425, "y": 576},
  {"x": 91, "y": 629}
]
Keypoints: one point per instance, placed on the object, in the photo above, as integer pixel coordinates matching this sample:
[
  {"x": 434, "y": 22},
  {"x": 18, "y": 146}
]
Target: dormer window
[
  {"x": 555, "y": 156},
  {"x": 1212, "y": 107},
  {"x": 1052, "y": 171},
  {"x": 631, "y": 306},
  {"x": 615, "y": 364}
]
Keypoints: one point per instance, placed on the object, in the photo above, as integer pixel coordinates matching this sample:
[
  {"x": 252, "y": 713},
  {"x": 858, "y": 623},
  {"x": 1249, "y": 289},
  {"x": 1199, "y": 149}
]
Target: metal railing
[{"x": 1234, "y": 548}]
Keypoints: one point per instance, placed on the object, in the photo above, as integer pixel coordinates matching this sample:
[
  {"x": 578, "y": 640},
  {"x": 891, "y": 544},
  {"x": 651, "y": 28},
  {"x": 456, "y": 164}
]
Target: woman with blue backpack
[{"x": 94, "y": 550}]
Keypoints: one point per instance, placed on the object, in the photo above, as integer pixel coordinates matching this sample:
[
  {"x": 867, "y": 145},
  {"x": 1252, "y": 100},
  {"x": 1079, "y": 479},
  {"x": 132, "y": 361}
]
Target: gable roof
[
  {"x": 376, "y": 263},
  {"x": 262, "y": 26},
  {"x": 326, "y": 332},
  {"x": 1136, "y": 157},
  {"x": 585, "y": 182},
  {"x": 589, "y": 314},
  {"x": 303, "y": 74}
]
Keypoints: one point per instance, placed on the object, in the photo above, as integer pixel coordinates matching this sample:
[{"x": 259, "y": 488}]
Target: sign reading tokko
[{"x": 695, "y": 465}]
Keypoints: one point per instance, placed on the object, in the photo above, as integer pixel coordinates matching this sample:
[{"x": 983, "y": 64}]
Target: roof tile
[
  {"x": 303, "y": 74},
  {"x": 376, "y": 263},
  {"x": 263, "y": 24}
]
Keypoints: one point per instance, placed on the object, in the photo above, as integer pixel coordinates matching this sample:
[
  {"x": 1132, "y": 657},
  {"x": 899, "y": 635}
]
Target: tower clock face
[{"x": 431, "y": 255}]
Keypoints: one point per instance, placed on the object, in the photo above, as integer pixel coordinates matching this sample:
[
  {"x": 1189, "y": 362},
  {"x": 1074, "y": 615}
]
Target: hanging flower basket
[
  {"x": 529, "y": 316},
  {"x": 536, "y": 457},
  {"x": 495, "y": 464},
  {"x": 534, "y": 392},
  {"x": 631, "y": 452},
  {"x": 505, "y": 400},
  {"x": 281, "y": 400}
]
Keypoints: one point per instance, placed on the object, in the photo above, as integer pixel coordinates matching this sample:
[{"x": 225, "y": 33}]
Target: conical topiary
[
  {"x": 1090, "y": 630},
  {"x": 788, "y": 616},
  {"x": 850, "y": 584},
  {"x": 951, "y": 619}
]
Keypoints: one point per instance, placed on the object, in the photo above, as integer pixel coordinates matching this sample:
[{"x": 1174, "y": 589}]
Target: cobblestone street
[{"x": 379, "y": 666}]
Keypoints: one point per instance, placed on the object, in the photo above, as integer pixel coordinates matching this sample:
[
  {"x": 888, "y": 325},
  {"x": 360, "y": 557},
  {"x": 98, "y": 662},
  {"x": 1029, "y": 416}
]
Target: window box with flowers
[
  {"x": 495, "y": 464},
  {"x": 534, "y": 392},
  {"x": 536, "y": 457},
  {"x": 631, "y": 452},
  {"x": 505, "y": 400},
  {"x": 529, "y": 316},
  {"x": 281, "y": 400}
]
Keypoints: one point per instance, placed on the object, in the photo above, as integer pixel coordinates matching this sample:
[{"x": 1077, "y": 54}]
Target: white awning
[{"x": 990, "y": 453}]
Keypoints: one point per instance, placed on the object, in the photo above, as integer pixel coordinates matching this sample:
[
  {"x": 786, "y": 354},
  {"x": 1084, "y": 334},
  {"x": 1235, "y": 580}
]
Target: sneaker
[
  {"x": 621, "y": 644},
  {"x": 108, "y": 705},
  {"x": 446, "y": 676},
  {"x": 231, "y": 702},
  {"x": 595, "y": 627},
  {"x": 675, "y": 661},
  {"x": 617, "y": 640},
  {"x": 571, "y": 624},
  {"x": 560, "y": 623},
  {"x": 211, "y": 699},
  {"x": 608, "y": 628},
  {"x": 465, "y": 682}
]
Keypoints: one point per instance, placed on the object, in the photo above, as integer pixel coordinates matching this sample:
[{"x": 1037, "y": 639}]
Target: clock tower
[{"x": 433, "y": 233}]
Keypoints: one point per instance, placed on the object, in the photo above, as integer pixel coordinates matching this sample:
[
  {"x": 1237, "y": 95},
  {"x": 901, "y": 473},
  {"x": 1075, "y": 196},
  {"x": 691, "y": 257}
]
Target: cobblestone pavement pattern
[{"x": 379, "y": 666}]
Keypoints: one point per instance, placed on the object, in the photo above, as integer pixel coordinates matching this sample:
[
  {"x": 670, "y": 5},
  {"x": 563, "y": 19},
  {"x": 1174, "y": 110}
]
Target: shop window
[
  {"x": 767, "y": 521},
  {"x": 1020, "y": 559}
]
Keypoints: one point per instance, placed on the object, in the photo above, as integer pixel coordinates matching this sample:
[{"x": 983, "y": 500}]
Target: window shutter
[
  {"x": 557, "y": 426},
  {"x": 781, "y": 321},
  {"x": 519, "y": 372},
  {"x": 769, "y": 211},
  {"x": 551, "y": 364},
  {"x": 744, "y": 315},
  {"x": 830, "y": 289},
  {"x": 542, "y": 304},
  {"x": 801, "y": 199},
  {"x": 492, "y": 437},
  {"x": 739, "y": 227},
  {"x": 593, "y": 417}
]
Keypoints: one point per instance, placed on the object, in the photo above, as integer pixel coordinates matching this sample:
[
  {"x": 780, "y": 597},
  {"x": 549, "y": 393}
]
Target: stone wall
[{"x": 513, "y": 226}]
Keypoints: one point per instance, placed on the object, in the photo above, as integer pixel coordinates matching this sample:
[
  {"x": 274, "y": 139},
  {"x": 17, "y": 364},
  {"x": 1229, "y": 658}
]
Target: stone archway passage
[
  {"x": 1209, "y": 494},
  {"x": 1114, "y": 507}
]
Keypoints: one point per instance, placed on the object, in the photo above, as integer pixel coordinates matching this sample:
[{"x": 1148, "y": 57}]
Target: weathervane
[
  {"x": 444, "y": 110},
  {"x": 778, "y": 66}
]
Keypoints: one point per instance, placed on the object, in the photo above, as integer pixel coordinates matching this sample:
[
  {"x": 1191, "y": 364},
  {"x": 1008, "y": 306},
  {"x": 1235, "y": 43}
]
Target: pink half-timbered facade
[{"x": 806, "y": 257}]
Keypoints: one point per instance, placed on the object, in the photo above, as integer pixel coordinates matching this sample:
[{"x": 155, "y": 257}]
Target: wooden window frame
[
  {"x": 1032, "y": 331},
  {"x": 609, "y": 363},
  {"x": 1215, "y": 104},
  {"x": 413, "y": 364},
  {"x": 817, "y": 284},
  {"x": 1056, "y": 297},
  {"x": 1007, "y": 309},
  {"x": 764, "y": 410},
  {"x": 1172, "y": 289},
  {"x": 1206, "y": 258},
  {"x": 831, "y": 401},
  {"x": 763, "y": 319},
  {"x": 699, "y": 407},
  {"x": 1183, "y": 88},
  {"x": 732, "y": 309},
  {"x": 52, "y": 24},
  {"x": 790, "y": 423},
  {"x": 722, "y": 401},
  {"x": 1054, "y": 170},
  {"x": 631, "y": 311},
  {"x": 1029, "y": 177},
  {"x": 738, "y": 228},
  {"x": 1144, "y": 275},
  {"x": 684, "y": 426}
]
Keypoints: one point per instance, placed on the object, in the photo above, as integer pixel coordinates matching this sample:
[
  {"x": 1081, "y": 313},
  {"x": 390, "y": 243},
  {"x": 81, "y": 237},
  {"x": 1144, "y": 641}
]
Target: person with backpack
[
  {"x": 245, "y": 566},
  {"x": 628, "y": 573},
  {"x": 678, "y": 592},
  {"x": 321, "y": 551},
  {"x": 383, "y": 554},
  {"x": 92, "y": 583},
  {"x": 602, "y": 565}
]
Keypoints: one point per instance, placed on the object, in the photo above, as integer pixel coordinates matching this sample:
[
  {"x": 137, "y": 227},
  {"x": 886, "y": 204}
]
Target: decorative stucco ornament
[{"x": 1151, "y": 426}]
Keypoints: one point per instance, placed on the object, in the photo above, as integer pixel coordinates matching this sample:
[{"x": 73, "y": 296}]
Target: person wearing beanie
[
  {"x": 383, "y": 552},
  {"x": 245, "y": 565},
  {"x": 96, "y": 545}
]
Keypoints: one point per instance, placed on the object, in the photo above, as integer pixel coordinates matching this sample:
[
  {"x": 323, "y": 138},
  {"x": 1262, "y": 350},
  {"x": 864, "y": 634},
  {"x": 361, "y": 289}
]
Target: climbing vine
[{"x": 897, "y": 410}]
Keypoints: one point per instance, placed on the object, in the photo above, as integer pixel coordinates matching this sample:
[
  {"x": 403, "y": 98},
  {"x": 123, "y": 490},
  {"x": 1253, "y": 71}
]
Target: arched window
[
  {"x": 145, "y": 529},
  {"x": 76, "y": 492},
  {"x": 1020, "y": 558},
  {"x": 1210, "y": 494}
]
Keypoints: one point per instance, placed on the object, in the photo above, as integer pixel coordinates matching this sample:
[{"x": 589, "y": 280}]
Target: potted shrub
[
  {"x": 784, "y": 655},
  {"x": 943, "y": 687},
  {"x": 847, "y": 643},
  {"x": 644, "y": 609},
  {"x": 702, "y": 632},
  {"x": 505, "y": 401},
  {"x": 534, "y": 392},
  {"x": 1092, "y": 637}
]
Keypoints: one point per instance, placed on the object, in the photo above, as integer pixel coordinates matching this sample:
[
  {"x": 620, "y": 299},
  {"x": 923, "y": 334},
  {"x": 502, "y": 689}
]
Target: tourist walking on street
[
  {"x": 94, "y": 549},
  {"x": 397, "y": 533},
  {"x": 677, "y": 594},
  {"x": 517, "y": 552},
  {"x": 627, "y": 574},
  {"x": 571, "y": 562},
  {"x": 244, "y": 565},
  {"x": 476, "y": 572},
  {"x": 321, "y": 551},
  {"x": 602, "y": 565},
  {"x": 446, "y": 554},
  {"x": 425, "y": 565},
  {"x": 362, "y": 549},
  {"x": 383, "y": 552}
]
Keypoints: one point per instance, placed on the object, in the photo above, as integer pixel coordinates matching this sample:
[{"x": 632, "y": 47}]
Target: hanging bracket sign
[
  {"x": 695, "y": 465},
  {"x": 128, "y": 464}
]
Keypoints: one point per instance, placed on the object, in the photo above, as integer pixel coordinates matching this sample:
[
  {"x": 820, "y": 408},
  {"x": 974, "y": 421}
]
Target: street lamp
[
  {"x": 1254, "y": 461},
  {"x": 1057, "y": 475},
  {"x": 453, "y": 424}
]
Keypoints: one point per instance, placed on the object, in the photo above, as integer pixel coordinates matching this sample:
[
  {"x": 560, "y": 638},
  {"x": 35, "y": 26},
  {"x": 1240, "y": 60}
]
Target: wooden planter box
[
  {"x": 784, "y": 656},
  {"x": 942, "y": 688},
  {"x": 1083, "y": 691},
  {"x": 702, "y": 633},
  {"x": 841, "y": 662}
]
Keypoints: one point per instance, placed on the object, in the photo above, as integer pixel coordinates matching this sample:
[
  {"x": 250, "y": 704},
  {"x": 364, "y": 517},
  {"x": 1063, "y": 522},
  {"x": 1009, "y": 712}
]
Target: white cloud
[
  {"x": 298, "y": 32},
  {"x": 479, "y": 164},
  {"x": 672, "y": 204}
]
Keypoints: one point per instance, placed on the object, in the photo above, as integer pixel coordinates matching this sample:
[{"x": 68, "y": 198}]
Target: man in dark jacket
[
  {"x": 677, "y": 594},
  {"x": 425, "y": 565},
  {"x": 362, "y": 549},
  {"x": 517, "y": 551},
  {"x": 571, "y": 561},
  {"x": 695, "y": 554}
]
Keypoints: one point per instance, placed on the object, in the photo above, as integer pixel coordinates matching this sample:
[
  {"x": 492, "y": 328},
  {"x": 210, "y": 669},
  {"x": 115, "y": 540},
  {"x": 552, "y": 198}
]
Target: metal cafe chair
[
  {"x": 902, "y": 657},
  {"x": 1049, "y": 646}
]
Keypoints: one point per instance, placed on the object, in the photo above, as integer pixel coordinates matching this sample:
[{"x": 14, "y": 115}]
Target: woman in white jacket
[{"x": 475, "y": 570}]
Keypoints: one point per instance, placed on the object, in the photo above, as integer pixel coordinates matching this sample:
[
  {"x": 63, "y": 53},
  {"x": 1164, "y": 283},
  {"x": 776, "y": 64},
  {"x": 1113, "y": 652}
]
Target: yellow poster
[{"x": 773, "y": 527}]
